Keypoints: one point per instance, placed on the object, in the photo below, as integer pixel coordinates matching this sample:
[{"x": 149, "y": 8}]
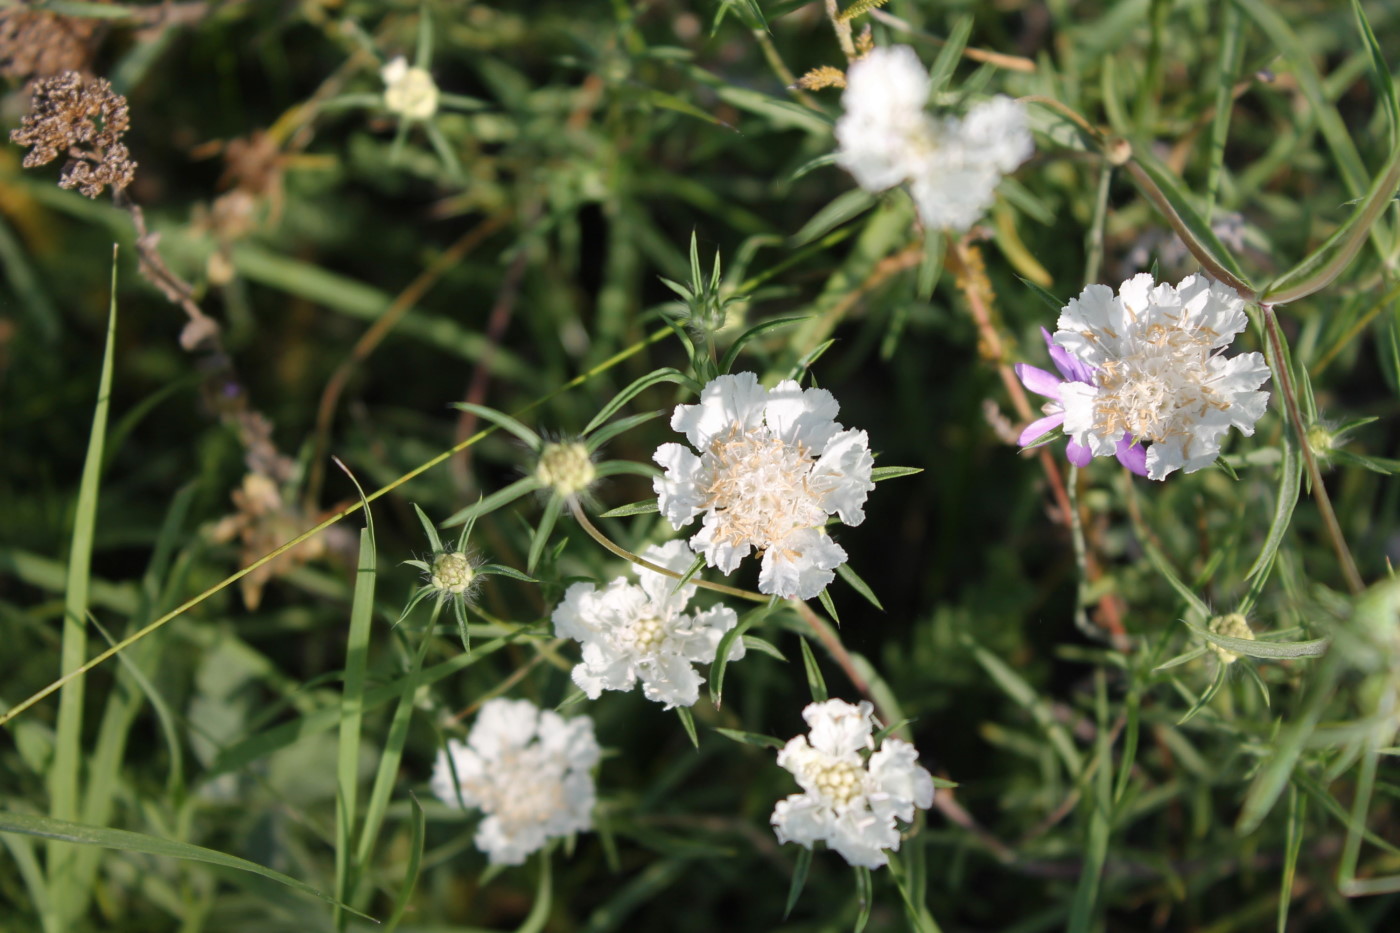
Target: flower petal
[
  {"x": 1133, "y": 456},
  {"x": 1039, "y": 381},
  {"x": 1040, "y": 427}
]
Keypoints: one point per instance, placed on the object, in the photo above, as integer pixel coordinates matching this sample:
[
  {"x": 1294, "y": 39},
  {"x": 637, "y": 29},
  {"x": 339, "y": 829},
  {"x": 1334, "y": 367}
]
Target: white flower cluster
[
  {"x": 632, "y": 632},
  {"x": 886, "y": 137},
  {"x": 527, "y": 770},
  {"x": 773, "y": 465},
  {"x": 1159, "y": 370},
  {"x": 409, "y": 92},
  {"x": 850, "y": 804}
]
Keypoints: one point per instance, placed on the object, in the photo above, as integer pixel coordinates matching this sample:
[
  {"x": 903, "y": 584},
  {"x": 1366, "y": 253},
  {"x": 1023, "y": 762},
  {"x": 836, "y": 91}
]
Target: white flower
[
  {"x": 1159, "y": 370},
  {"x": 527, "y": 770},
  {"x": 849, "y": 804},
  {"x": 409, "y": 92},
  {"x": 952, "y": 166},
  {"x": 773, "y": 464},
  {"x": 631, "y": 632}
]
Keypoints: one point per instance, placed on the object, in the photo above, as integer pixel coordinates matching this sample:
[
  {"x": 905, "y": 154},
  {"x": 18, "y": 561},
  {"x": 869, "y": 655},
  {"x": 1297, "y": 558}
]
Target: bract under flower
[
  {"x": 849, "y": 803},
  {"x": 952, "y": 166},
  {"x": 1159, "y": 371},
  {"x": 527, "y": 770},
  {"x": 773, "y": 465},
  {"x": 632, "y": 632}
]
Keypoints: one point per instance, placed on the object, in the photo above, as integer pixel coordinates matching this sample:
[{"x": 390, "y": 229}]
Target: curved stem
[
  {"x": 625, "y": 554},
  {"x": 1300, "y": 430}
]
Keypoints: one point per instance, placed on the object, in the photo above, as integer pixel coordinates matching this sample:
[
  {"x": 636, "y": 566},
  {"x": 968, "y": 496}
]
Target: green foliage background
[{"x": 588, "y": 143}]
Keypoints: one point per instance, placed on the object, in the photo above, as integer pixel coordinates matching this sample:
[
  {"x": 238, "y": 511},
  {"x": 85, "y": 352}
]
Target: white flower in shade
[
  {"x": 773, "y": 465},
  {"x": 952, "y": 166},
  {"x": 849, "y": 803},
  {"x": 409, "y": 92},
  {"x": 1160, "y": 373},
  {"x": 527, "y": 770},
  {"x": 642, "y": 632}
]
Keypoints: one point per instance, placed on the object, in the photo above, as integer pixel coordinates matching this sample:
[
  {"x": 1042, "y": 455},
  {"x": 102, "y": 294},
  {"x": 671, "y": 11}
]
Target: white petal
[
  {"x": 801, "y": 565},
  {"x": 838, "y": 728},
  {"x": 503, "y": 724},
  {"x": 801, "y": 416},
  {"x": 841, "y": 477},
  {"x": 729, "y": 400},
  {"x": 862, "y": 838},
  {"x": 725, "y": 555},
  {"x": 895, "y": 771},
  {"x": 671, "y": 680},
  {"x": 803, "y": 819},
  {"x": 1082, "y": 323},
  {"x": 678, "y": 492},
  {"x": 1078, "y": 399},
  {"x": 883, "y": 122},
  {"x": 673, "y": 555}
]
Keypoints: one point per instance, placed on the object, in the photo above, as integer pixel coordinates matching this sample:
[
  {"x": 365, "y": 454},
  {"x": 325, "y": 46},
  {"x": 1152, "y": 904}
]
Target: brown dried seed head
[
  {"x": 35, "y": 43},
  {"x": 84, "y": 119}
]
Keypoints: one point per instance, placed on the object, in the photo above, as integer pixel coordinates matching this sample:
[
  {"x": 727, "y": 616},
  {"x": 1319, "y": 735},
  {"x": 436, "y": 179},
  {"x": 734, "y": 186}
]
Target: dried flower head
[
  {"x": 38, "y": 43},
  {"x": 83, "y": 119}
]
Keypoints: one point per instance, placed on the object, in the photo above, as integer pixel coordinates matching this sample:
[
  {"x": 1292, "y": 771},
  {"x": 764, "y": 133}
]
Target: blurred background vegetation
[{"x": 364, "y": 275}]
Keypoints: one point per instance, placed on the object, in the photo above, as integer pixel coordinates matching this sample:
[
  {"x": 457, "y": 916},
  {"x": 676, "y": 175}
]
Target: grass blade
[
  {"x": 67, "y": 898},
  {"x": 64, "y": 832}
]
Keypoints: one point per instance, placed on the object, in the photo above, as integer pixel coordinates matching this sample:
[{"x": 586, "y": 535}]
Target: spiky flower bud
[{"x": 565, "y": 467}]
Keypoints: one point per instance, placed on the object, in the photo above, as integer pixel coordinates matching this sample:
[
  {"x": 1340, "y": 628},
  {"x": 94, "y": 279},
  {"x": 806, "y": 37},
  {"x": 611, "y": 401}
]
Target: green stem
[{"x": 1300, "y": 431}]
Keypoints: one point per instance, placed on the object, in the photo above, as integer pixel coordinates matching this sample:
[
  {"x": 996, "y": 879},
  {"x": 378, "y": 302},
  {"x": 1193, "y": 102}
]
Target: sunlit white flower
[
  {"x": 1160, "y": 373},
  {"x": 952, "y": 166},
  {"x": 527, "y": 770},
  {"x": 409, "y": 92},
  {"x": 850, "y": 803},
  {"x": 634, "y": 632},
  {"x": 773, "y": 465}
]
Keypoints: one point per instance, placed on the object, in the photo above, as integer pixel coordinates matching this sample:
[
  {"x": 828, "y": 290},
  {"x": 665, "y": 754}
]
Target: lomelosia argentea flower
[
  {"x": 1130, "y": 453},
  {"x": 1159, "y": 372},
  {"x": 641, "y": 631},
  {"x": 528, "y": 770},
  {"x": 772, "y": 466},
  {"x": 850, "y": 803},
  {"x": 886, "y": 137}
]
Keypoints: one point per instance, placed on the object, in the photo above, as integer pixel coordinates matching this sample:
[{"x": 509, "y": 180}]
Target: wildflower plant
[{"x": 692, "y": 277}]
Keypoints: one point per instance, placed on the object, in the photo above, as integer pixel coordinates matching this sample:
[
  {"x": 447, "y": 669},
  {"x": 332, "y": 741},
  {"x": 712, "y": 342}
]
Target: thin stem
[
  {"x": 780, "y": 68},
  {"x": 1300, "y": 431},
  {"x": 184, "y": 607},
  {"x": 625, "y": 554},
  {"x": 843, "y": 30}
]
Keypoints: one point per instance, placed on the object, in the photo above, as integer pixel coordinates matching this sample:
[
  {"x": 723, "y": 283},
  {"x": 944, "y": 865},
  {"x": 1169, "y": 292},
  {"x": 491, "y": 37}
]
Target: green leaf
[
  {"x": 498, "y": 499},
  {"x": 825, "y": 597},
  {"x": 1016, "y": 687},
  {"x": 64, "y": 831},
  {"x": 865, "y": 897},
  {"x": 540, "y": 538},
  {"x": 815, "y": 682},
  {"x": 847, "y": 205},
  {"x": 730, "y": 355},
  {"x": 1222, "y": 672},
  {"x": 665, "y": 374},
  {"x": 1272, "y": 650},
  {"x": 853, "y": 580},
  {"x": 688, "y": 721},
  {"x": 891, "y": 472},
  {"x": 1050, "y": 300},
  {"x": 751, "y": 738},
  {"x": 503, "y": 420},
  {"x": 781, "y": 113},
  {"x": 417, "y": 828},
  {"x": 67, "y": 899},
  {"x": 645, "y": 507},
  {"x": 799, "y": 879},
  {"x": 1228, "y": 66},
  {"x": 1297, "y": 812},
  {"x": 951, "y": 53}
]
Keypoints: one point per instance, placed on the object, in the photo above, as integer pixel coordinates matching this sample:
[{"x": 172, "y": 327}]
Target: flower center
[
  {"x": 645, "y": 635},
  {"x": 453, "y": 572},
  {"x": 839, "y": 782},
  {"x": 757, "y": 485},
  {"x": 523, "y": 788},
  {"x": 1158, "y": 390},
  {"x": 565, "y": 467}
]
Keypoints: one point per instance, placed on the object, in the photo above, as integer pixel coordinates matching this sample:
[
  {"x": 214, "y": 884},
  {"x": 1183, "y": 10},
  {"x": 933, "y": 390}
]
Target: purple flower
[{"x": 1131, "y": 455}]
